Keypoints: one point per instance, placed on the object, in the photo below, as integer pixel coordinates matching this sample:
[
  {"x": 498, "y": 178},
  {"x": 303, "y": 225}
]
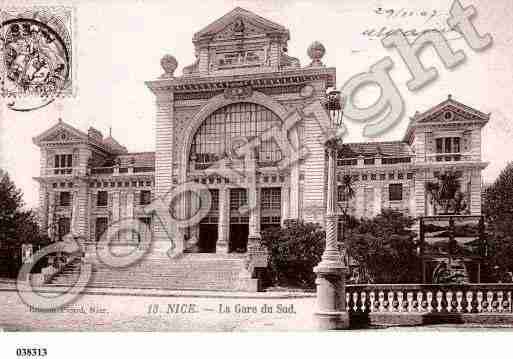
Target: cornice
[{"x": 256, "y": 80}]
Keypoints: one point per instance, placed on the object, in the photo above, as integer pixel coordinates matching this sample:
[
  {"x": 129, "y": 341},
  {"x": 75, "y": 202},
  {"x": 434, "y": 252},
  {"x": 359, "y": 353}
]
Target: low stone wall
[{"x": 416, "y": 304}]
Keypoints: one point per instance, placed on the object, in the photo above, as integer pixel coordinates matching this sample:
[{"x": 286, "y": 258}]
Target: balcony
[
  {"x": 62, "y": 171},
  {"x": 448, "y": 157},
  {"x": 123, "y": 171}
]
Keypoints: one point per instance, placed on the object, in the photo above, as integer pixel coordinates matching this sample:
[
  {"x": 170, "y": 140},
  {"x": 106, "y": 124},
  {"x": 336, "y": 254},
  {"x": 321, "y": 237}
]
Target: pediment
[
  {"x": 60, "y": 133},
  {"x": 240, "y": 27},
  {"x": 239, "y": 23},
  {"x": 451, "y": 111}
]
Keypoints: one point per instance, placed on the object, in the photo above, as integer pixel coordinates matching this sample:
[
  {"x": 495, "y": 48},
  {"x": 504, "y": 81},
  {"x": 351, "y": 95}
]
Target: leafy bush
[
  {"x": 295, "y": 250},
  {"x": 384, "y": 250}
]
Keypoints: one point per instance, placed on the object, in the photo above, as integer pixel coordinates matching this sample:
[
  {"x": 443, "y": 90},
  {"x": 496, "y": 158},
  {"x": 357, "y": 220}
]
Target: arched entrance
[{"x": 211, "y": 146}]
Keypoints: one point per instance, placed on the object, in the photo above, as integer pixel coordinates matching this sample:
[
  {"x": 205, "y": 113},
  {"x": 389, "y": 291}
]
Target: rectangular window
[
  {"x": 395, "y": 191},
  {"x": 439, "y": 145},
  {"x": 238, "y": 198},
  {"x": 63, "y": 164},
  {"x": 63, "y": 161},
  {"x": 448, "y": 145},
  {"x": 102, "y": 199},
  {"x": 64, "y": 225},
  {"x": 456, "y": 145},
  {"x": 214, "y": 195},
  {"x": 101, "y": 227},
  {"x": 341, "y": 194},
  {"x": 145, "y": 197},
  {"x": 271, "y": 198},
  {"x": 65, "y": 199}
]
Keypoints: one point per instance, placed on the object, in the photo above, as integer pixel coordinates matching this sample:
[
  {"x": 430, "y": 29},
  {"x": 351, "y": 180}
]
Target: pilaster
[
  {"x": 420, "y": 193},
  {"x": 163, "y": 156},
  {"x": 475, "y": 192}
]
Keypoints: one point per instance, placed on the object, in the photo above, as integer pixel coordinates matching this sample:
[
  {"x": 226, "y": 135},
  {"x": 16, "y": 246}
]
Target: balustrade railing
[
  {"x": 429, "y": 298},
  {"x": 61, "y": 171},
  {"x": 448, "y": 157},
  {"x": 102, "y": 170}
]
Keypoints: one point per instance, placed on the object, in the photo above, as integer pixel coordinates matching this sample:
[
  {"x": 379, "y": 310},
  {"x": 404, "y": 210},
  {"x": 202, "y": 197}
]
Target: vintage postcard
[{"x": 255, "y": 166}]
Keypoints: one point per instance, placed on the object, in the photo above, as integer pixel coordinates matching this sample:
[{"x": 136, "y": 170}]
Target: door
[
  {"x": 207, "y": 238},
  {"x": 238, "y": 237}
]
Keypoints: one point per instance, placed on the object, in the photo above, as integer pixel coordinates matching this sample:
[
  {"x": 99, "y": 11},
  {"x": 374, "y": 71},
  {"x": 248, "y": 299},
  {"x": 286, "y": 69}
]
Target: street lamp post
[{"x": 331, "y": 307}]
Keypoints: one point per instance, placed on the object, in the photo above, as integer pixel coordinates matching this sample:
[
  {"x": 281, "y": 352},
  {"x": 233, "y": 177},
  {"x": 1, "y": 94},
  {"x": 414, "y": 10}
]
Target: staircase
[{"x": 202, "y": 271}]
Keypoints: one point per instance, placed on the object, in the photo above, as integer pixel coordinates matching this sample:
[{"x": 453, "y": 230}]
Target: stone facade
[{"x": 243, "y": 73}]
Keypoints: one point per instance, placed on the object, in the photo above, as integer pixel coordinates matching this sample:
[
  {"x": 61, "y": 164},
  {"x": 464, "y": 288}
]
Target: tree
[
  {"x": 384, "y": 249},
  {"x": 17, "y": 225},
  {"x": 446, "y": 193},
  {"x": 347, "y": 190},
  {"x": 498, "y": 198},
  {"x": 498, "y": 212},
  {"x": 294, "y": 250}
]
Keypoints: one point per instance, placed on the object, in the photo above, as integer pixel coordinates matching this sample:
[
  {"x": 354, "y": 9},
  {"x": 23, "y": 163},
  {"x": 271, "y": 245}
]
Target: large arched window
[{"x": 213, "y": 139}]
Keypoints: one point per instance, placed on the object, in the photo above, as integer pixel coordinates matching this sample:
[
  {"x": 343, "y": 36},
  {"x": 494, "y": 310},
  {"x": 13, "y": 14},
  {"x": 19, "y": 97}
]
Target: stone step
[{"x": 208, "y": 271}]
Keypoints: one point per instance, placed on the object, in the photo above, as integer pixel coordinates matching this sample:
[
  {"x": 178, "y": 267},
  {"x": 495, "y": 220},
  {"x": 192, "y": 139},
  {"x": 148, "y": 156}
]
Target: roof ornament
[
  {"x": 316, "y": 52},
  {"x": 169, "y": 65},
  {"x": 238, "y": 26}
]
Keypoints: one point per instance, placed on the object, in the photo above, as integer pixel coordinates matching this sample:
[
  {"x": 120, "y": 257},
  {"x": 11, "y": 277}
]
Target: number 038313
[{"x": 31, "y": 352}]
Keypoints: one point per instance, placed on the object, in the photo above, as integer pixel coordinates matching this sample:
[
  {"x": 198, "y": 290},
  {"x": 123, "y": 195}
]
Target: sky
[{"x": 118, "y": 46}]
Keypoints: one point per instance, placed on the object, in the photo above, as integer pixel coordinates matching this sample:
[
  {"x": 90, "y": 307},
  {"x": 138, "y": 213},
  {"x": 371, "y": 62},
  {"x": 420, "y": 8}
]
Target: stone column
[
  {"x": 285, "y": 203},
  {"x": 475, "y": 192},
  {"x": 377, "y": 199},
  {"x": 223, "y": 226},
  {"x": 331, "y": 307},
  {"x": 294, "y": 196},
  {"x": 360, "y": 200},
  {"x": 193, "y": 231},
  {"x": 254, "y": 214},
  {"x": 44, "y": 204},
  {"x": 113, "y": 225},
  {"x": 129, "y": 235},
  {"x": 74, "y": 214},
  {"x": 51, "y": 215},
  {"x": 420, "y": 192},
  {"x": 253, "y": 202}
]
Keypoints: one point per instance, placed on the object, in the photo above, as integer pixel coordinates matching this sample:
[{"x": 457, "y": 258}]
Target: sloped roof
[
  {"x": 114, "y": 145},
  {"x": 137, "y": 159},
  {"x": 71, "y": 134},
  {"x": 239, "y": 13},
  {"x": 60, "y": 128},
  {"x": 373, "y": 149}
]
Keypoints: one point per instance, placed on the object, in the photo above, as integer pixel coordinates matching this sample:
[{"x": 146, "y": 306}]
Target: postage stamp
[{"x": 36, "y": 55}]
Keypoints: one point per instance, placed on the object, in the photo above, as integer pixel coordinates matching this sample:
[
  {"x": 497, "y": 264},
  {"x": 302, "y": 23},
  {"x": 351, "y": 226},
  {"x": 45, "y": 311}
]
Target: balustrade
[{"x": 417, "y": 298}]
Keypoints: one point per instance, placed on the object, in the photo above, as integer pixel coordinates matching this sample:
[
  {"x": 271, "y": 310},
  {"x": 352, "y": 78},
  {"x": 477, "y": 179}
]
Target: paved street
[
  {"x": 176, "y": 311},
  {"x": 94, "y": 312}
]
